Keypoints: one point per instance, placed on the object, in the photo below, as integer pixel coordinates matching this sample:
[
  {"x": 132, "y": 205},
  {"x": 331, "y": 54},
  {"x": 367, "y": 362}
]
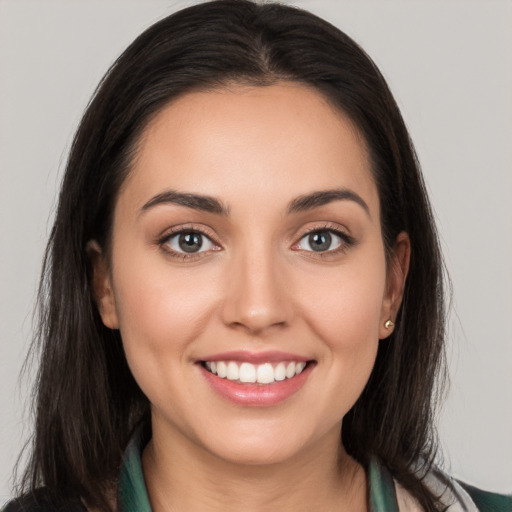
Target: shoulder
[
  {"x": 456, "y": 496},
  {"x": 39, "y": 501},
  {"x": 488, "y": 501}
]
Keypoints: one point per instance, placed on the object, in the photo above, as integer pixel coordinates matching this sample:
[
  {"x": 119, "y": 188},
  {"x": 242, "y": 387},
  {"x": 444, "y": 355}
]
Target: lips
[{"x": 263, "y": 379}]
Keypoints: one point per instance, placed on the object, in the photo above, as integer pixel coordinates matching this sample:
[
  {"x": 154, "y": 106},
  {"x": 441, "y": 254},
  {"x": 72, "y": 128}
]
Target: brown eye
[{"x": 189, "y": 242}]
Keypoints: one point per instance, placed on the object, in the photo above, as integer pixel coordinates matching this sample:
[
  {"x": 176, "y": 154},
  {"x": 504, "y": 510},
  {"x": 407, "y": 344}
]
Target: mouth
[
  {"x": 243, "y": 372},
  {"x": 260, "y": 380}
]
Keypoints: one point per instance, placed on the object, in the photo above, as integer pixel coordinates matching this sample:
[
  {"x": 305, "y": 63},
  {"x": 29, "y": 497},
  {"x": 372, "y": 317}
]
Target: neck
[{"x": 182, "y": 476}]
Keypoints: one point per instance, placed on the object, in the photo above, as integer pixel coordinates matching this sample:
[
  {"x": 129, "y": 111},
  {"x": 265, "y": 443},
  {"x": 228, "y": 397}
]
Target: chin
[
  {"x": 255, "y": 453},
  {"x": 264, "y": 447}
]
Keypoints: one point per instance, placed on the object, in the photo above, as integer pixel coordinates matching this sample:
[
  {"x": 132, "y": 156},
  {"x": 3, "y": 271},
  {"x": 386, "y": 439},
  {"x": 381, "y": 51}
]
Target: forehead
[{"x": 285, "y": 139}]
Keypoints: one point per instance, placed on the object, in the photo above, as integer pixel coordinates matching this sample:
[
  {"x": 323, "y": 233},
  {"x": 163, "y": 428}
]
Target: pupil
[
  {"x": 320, "y": 241},
  {"x": 190, "y": 242}
]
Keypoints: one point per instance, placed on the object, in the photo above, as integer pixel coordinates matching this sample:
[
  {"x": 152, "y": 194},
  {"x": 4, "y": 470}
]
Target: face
[{"x": 248, "y": 273}]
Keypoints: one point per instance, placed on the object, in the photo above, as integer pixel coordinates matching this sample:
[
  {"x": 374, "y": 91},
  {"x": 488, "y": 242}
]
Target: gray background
[{"x": 449, "y": 66}]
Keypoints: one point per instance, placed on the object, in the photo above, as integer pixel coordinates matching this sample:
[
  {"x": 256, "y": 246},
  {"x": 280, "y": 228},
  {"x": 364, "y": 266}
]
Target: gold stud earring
[{"x": 389, "y": 324}]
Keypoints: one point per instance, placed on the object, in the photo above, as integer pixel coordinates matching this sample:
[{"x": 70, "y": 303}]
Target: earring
[{"x": 389, "y": 324}]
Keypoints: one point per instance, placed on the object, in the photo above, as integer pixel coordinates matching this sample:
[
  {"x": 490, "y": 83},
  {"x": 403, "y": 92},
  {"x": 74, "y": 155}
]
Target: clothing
[{"x": 386, "y": 495}]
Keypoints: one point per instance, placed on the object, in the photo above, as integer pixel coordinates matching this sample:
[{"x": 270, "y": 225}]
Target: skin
[{"x": 258, "y": 286}]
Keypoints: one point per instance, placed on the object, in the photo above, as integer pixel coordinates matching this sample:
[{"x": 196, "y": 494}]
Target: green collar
[{"x": 133, "y": 495}]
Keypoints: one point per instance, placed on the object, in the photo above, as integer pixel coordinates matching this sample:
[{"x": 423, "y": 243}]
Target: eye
[
  {"x": 323, "y": 240},
  {"x": 189, "y": 242}
]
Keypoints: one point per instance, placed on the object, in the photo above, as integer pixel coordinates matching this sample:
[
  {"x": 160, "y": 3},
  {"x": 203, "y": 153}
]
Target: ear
[
  {"x": 102, "y": 285},
  {"x": 398, "y": 268}
]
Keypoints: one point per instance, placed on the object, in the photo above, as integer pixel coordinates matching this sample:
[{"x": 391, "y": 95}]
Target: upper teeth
[{"x": 264, "y": 373}]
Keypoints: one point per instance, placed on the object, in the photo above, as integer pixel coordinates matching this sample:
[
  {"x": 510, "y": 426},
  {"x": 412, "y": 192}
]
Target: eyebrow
[
  {"x": 212, "y": 205},
  {"x": 323, "y": 197},
  {"x": 194, "y": 201}
]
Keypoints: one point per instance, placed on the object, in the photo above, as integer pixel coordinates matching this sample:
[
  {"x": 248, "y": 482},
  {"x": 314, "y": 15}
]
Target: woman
[{"x": 244, "y": 281}]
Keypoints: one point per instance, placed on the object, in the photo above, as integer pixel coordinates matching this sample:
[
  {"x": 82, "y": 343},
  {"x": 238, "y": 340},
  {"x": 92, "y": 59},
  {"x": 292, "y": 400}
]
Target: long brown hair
[{"x": 87, "y": 402}]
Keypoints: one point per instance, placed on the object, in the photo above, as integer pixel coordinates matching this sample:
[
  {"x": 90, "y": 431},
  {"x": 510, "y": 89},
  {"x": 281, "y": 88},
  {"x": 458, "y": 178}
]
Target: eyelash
[{"x": 346, "y": 241}]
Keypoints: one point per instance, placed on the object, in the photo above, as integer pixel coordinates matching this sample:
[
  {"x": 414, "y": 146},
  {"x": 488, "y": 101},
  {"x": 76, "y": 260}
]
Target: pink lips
[
  {"x": 256, "y": 357},
  {"x": 259, "y": 395}
]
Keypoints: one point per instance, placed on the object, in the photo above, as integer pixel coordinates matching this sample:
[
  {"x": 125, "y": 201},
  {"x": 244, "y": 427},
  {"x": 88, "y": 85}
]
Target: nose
[{"x": 256, "y": 296}]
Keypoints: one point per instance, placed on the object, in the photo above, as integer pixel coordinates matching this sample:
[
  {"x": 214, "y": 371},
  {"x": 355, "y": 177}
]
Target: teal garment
[
  {"x": 489, "y": 502},
  {"x": 133, "y": 495}
]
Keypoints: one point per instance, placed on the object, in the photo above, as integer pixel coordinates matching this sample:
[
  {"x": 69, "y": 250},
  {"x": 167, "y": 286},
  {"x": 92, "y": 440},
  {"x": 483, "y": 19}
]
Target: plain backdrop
[{"x": 449, "y": 65}]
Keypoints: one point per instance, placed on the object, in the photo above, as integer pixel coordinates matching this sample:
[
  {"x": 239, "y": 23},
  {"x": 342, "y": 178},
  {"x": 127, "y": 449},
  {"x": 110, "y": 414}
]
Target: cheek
[
  {"x": 161, "y": 312},
  {"x": 345, "y": 307}
]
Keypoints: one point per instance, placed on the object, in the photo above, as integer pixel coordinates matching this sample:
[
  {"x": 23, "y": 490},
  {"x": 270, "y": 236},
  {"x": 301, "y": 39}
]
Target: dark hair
[{"x": 87, "y": 402}]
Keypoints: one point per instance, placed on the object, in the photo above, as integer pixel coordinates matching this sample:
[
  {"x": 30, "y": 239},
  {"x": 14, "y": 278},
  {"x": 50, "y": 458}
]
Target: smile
[
  {"x": 265, "y": 373},
  {"x": 256, "y": 380}
]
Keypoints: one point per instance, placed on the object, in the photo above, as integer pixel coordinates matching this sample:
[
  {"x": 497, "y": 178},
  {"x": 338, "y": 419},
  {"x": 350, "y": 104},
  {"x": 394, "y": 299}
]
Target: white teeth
[
  {"x": 222, "y": 369},
  {"x": 280, "y": 372},
  {"x": 264, "y": 373},
  {"x": 232, "y": 371},
  {"x": 290, "y": 370},
  {"x": 299, "y": 367},
  {"x": 247, "y": 372}
]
